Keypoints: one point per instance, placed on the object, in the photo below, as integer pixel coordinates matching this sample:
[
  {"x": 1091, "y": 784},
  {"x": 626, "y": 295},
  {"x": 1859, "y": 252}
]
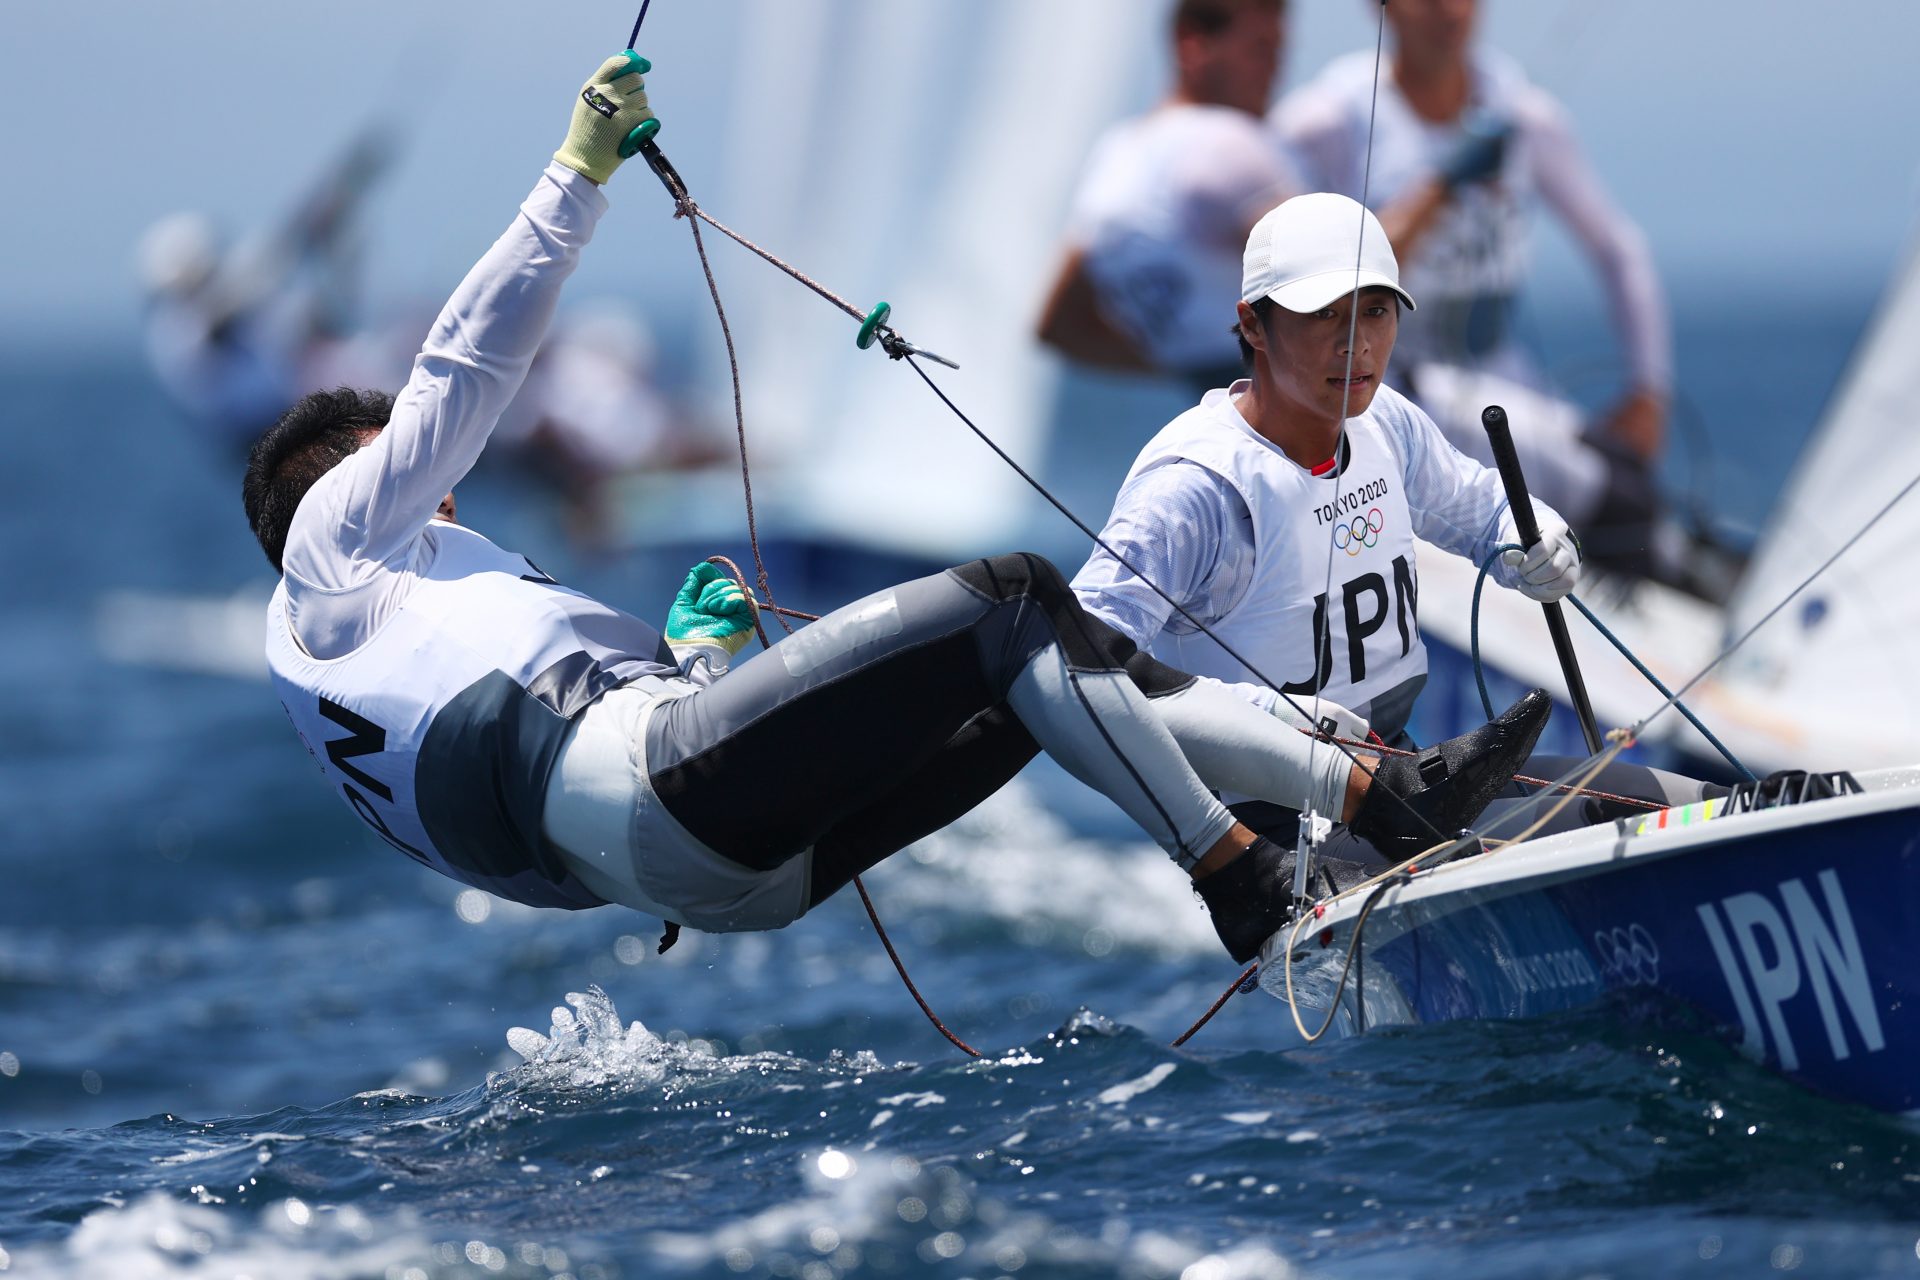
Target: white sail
[
  {"x": 923, "y": 154},
  {"x": 1846, "y": 653}
]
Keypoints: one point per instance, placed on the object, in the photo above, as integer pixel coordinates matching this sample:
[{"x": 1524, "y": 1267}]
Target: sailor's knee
[
  {"x": 1150, "y": 675},
  {"x": 1018, "y": 573}
]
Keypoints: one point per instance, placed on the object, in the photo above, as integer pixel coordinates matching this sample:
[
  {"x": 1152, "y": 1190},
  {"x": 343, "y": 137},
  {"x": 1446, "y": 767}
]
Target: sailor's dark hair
[
  {"x": 1261, "y": 306},
  {"x": 1211, "y": 17},
  {"x": 317, "y": 434}
]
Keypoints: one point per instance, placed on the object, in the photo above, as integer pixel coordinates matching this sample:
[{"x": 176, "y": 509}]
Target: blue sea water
[{"x": 237, "y": 1037}]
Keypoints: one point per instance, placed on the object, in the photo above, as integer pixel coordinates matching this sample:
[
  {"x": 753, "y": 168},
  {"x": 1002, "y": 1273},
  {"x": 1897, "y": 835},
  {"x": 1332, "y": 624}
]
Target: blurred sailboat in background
[
  {"x": 1835, "y": 677},
  {"x": 946, "y": 202}
]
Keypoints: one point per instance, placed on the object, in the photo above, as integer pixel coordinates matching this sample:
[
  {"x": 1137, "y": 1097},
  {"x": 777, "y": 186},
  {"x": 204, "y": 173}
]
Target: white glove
[
  {"x": 1550, "y": 568},
  {"x": 1346, "y": 724}
]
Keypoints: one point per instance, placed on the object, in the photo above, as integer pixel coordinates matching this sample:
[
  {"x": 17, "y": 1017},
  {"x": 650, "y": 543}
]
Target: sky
[{"x": 1766, "y": 146}]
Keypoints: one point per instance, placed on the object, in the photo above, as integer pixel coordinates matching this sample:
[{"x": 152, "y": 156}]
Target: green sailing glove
[
  {"x": 711, "y": 617},
  {"x": 610, "y": 118}
]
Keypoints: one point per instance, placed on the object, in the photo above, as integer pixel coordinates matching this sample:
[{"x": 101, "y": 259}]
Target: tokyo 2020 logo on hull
[{"x": 1359, "y": 533}]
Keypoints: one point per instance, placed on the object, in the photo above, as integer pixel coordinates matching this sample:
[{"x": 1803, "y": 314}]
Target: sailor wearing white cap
[{"x": 1238, "y": 507}]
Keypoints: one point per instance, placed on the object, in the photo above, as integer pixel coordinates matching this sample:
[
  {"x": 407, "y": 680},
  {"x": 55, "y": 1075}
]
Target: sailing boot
[
  {"x": 1251, "y": 898},
  {"x": 1418, "y": 801}
]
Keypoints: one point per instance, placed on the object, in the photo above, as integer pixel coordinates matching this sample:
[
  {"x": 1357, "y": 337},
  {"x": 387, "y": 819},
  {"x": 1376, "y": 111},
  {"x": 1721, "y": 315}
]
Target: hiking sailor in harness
[{"x": 525, "y": 739}]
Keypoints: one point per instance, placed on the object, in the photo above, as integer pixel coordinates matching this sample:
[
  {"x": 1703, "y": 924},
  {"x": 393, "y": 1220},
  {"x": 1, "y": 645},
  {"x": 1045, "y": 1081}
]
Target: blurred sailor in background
[
  {"x": 1463, "y": 147},
  {"x": 236, "y": 334},
  {"x": 591, "y": 414},
  {"x": 1163, "y": 210}
]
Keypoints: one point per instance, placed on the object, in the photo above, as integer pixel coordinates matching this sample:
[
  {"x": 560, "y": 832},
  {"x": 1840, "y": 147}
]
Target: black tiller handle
[{"x": 1494, "y": 419}]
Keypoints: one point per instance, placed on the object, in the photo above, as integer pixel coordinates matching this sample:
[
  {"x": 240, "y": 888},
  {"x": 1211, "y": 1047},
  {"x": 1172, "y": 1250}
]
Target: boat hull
[{"x": 1794, "y": 937}]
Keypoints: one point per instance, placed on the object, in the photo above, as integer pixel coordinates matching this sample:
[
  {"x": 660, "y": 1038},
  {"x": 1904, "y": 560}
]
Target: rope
[
  {"x": 899, "y": 966},
  {"x": 1480, "y": 679},
  {"x": 1384, "y": 882},
  {"x": 694, "y": 210},
  {"x": 901, "y": 969},
  {"x": 1673, "y": 700},
  {"x": 739, "y": 423},
  {"x": 1545, "y": 784},
  {"x": 1245, "y": 982},
  {"x": 1303, "y": 842},
  {"x": 1654, "y": 680},
  {"x": 1618, "y": 742}
]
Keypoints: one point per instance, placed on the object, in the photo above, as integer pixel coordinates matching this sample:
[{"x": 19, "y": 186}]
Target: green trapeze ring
[
  {"x": 641, "y": 135},
  {"x": 870, "y": 327}
]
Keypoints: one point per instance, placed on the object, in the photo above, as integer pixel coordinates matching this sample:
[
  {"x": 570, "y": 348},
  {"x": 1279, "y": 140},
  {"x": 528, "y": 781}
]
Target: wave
[
  {"x": 587, "y": 1048},
  {"x": 1013, "y": 861}
]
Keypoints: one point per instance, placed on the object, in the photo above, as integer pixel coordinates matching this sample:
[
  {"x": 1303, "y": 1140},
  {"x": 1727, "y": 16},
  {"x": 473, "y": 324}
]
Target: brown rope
[
  {"x": 691, "y": 211},
  {"x": 733, "y": 571},
  {"x": 1239, "y": 983},
  {"x": 686, "y": 205},
  {"x": 866, "y": 900},
  {"x": 899, "y": 966},
  {"x": 901, "y": 969}
]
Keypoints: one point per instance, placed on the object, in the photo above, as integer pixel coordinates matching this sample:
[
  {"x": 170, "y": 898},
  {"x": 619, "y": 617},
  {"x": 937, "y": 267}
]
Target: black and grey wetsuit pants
[{"x": 892, "y": 717}]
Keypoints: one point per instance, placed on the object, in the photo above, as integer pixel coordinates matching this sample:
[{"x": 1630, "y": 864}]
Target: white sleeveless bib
[
  {"x": 1368, "y": 629},
  {"x": 441, "y": 731}
]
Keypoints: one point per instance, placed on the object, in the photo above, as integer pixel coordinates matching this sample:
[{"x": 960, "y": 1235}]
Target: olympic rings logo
[
  {"x": 1628, "y": 954},
  {"x": 1360, "y": 533}
]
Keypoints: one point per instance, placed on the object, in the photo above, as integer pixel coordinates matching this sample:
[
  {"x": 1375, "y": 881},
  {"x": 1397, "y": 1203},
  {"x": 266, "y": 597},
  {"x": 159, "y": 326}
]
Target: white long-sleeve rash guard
[
  {"x": 1188, "y": 531},
  {"x": 353, "y": 550}
]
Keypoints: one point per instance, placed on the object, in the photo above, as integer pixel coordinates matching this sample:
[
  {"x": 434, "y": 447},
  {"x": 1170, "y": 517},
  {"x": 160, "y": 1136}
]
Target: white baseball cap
[{"x": 1302, "y": 254}]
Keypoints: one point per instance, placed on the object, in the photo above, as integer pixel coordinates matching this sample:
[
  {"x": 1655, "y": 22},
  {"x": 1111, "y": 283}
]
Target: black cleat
[
  {"x": 1445, "y": 787},
  {"x": 1251, "y": 898}
]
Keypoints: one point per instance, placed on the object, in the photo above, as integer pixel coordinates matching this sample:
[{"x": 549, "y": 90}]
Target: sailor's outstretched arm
[{"x": 477, "y": 353}]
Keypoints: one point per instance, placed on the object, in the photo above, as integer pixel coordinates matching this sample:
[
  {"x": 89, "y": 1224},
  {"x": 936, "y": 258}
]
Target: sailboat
[
  {"x": 1788, "y": 926},
  {"x": 1835, "y": 677},
  {"x": 878, "y": 191},
  {"x": 1784, "y": 915}
]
